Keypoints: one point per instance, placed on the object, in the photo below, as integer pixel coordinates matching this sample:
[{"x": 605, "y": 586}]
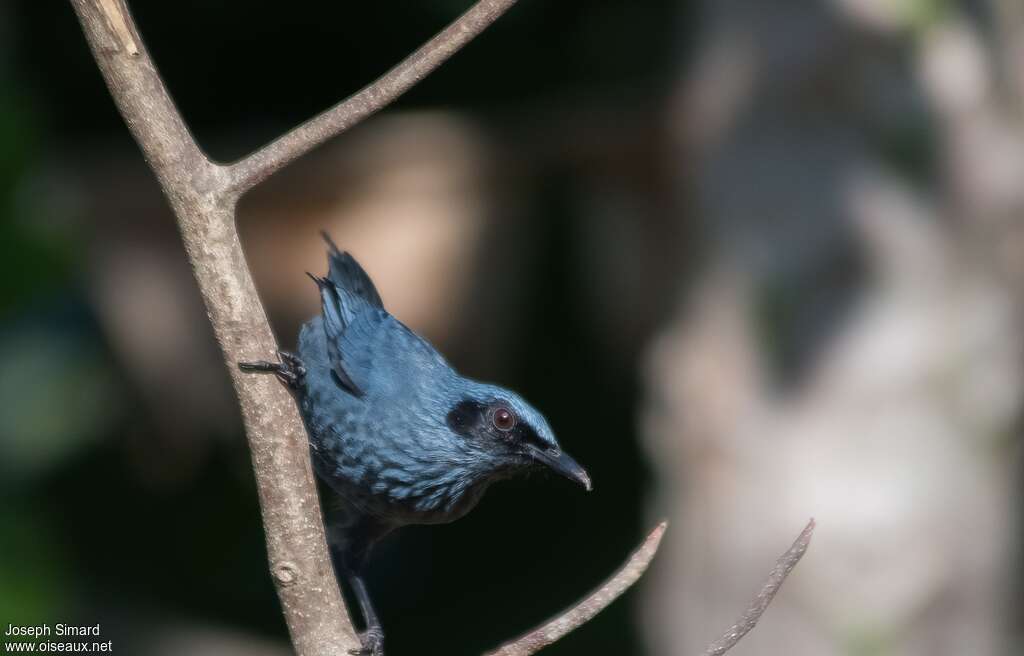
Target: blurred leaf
[
  {"x": 28, "y": 258},
  {"x": 58, "y": 396},
  {"x": 31, "y": 569},
  {"x": 922, "y": 14}
]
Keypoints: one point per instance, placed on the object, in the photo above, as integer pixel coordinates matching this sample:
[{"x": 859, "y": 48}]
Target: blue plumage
[{"x": 398, "y": 434}]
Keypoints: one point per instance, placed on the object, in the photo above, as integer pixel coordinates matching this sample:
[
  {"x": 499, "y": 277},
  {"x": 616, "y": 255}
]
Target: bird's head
[{"x": 515, "y": 435}]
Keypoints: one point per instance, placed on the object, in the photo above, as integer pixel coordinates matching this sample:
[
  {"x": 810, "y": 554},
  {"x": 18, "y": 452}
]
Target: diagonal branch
[
  {"x": 783, "y": 566},
  {"x": 590, "y": 606},
  {"x": 253, "y": 169}
]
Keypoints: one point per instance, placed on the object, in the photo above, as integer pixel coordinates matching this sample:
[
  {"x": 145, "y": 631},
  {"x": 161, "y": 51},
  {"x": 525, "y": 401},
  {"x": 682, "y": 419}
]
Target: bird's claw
[
  {"x": 294, "y": 369},
  {"x": 372, "y": 641},
  {"x": 290, "y": 371}
]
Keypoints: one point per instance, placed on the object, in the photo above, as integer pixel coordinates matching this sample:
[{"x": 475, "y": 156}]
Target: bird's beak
[{"x": 560, "y": 462}]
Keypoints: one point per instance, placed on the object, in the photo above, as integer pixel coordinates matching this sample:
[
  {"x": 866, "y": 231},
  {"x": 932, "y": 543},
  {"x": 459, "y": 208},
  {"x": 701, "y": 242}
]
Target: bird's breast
[{"x": 385, "y": 471}]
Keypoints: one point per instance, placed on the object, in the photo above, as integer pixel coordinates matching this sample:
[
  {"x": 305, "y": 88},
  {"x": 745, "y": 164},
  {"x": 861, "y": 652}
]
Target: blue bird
[{"x": 399, "y": 435}]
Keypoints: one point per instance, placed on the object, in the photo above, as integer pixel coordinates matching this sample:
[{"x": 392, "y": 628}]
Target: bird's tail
[{"x": 348, "y": 276}]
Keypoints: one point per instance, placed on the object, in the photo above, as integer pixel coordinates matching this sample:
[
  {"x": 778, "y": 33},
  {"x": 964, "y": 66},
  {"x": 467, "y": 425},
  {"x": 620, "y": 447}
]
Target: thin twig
[
  {"x": 250, "y": 171},
  {"x": 590, "y": 606},
  {"x": 783, "y": 566}
]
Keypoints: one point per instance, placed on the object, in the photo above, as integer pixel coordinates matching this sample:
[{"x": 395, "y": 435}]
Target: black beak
[{"x": 560, "y": 462}]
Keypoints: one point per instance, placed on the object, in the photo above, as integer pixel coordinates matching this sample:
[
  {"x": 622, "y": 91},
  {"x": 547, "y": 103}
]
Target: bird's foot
[
  {"x": 290, "y": 371},
  {"x": 373, "y": 643}
]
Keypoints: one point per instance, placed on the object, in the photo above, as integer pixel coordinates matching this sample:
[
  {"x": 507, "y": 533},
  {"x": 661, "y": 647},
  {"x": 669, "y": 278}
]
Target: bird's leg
[
  {"x": 289, "y": 371},
  {"x": 351, "y": 535},
  {"x": 373, "y": 635}
]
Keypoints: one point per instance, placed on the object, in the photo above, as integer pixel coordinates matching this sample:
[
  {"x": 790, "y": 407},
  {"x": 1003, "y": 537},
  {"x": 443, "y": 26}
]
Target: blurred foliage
[
  {"x": 58, "y": 396},
  {"x": 28, "y": 256},
  {"x": 34, "y": 569}
]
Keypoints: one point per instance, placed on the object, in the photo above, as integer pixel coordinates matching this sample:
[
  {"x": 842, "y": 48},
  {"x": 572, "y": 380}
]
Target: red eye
[{"x": 503, "y": 419}]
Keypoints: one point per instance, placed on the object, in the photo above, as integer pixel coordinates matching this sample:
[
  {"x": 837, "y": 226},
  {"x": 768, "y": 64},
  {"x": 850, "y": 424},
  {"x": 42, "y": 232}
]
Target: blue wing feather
[
  {"x": 362, "y": 339},
  {"x": 346, "y": 293}
]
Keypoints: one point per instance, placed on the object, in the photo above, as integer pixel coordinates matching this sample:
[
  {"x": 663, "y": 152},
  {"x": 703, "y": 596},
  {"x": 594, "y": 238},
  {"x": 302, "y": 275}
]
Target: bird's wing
[
  {"x": 339, "y": 310},
  {"x": 363, "y": 340}
]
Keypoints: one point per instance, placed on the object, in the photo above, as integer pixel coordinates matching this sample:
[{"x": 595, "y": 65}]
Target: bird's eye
[{"x": 503, "y": 419}]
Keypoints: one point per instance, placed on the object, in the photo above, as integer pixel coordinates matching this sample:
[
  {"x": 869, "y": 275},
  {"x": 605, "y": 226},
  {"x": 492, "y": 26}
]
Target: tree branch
[
  {"x": 594, "y": 603},
  {"x": 250, "y": 171},
  {"x": 748, "y": 620},
  {"x": 629, "y": 573}
]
